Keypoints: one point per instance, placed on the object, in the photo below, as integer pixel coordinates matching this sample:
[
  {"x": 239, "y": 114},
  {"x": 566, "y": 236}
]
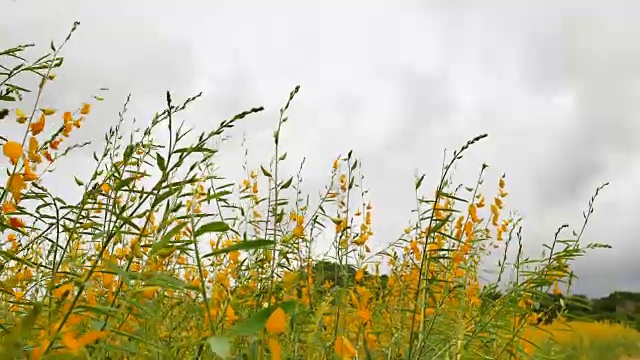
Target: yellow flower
[
  {"x": 16, "y": 222},
  {"x": 289, "y": 279},
  {"x": 231, "y": 314},
  {"x": 495, "y": 210},
  {"x": 430, "y": 311},
  {"x": 468, "y": 229},
  {"x": 362, "y": 239},
  {"x": 277, "y": 322},
  {"x": 75, "y": 345},
  {"x": 16, "y": 184},
  {"x": 8, "y": 207},
  {"x": 499, "y": 203},
  {"x": 62, "y": 291},
  {"x": 12, "y": 150},
  {"x": 364, "y": 315},
  {"x": 67, "y": 117},
  {"x": 86, "y": 108},
  {"x": 20, "y": 113},
  {"x": 344, "y": 349},
  {"x": 33, "y": 150},
  {"x": 48, "y": 111},
  {"x": 343, "y": 182},
  {"x": 55, "y": 144},
  {"x": 234, "y": 256},
  {"x": 298, "y": 231},
  {"x": 68, "y": 126},
  {"x": 38, "y": 126},
  {"x": 473, "y": 213},
  {"x": 275, "y": 349},
  {"x": 28, "y": 174},
  {"x": 70, "y": 342},
  {"x": 107, "y": 280},
  {"x": 148, "y": 292}
]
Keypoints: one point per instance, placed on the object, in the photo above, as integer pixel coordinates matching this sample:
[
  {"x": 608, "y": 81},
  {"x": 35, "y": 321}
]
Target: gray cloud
[{"x": 588, "y": 53}]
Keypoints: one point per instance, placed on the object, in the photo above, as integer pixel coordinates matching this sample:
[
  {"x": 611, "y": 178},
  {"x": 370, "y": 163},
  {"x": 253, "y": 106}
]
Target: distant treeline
[{"x": 619, "y": 306}]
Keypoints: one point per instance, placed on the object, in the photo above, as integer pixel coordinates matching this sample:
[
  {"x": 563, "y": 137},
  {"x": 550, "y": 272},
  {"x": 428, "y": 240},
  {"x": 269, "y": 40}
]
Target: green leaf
[
  {"x": 78, "y": 181},
  {"x": 215, "y": 226},
  {"x": 100, "y": 310},
  {"x": 11, "y": 341},
  {"x": 127, "y": 220},
  {"x": 450, "y": 196},
  {"x": 128, "y": 152},
  {"x": 120, "y": 184},
  {"x": 9, "y": 256},
  {"x": 195, "y": 150},
  {"x": 165, "y": 281},
  {"x": 439, "y": 224},
  {"x": 245, "y": 245},
  {"x": 220, "y": 346},
  {"x": 265, "y": 172},
  {"x": 164, "y": 196},
  {"x": 419, "y": 182},
  {"x": 16, "y": 87},
  {"x": 257, "y": 322},
  {"x": 162, "y": 164},
  {"x": 166, "y": 238},
  {"x": 217, "y": 195},
  {"x": 287, "y": 184}
]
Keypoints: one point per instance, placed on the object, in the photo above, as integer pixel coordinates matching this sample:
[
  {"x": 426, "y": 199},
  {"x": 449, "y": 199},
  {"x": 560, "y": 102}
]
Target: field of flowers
[{"x": 161, "y": 258}]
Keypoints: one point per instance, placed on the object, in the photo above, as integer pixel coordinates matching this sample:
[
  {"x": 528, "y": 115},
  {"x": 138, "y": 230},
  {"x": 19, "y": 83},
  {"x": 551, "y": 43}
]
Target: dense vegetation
[
  {"x": 162, "y": 258},
  {"x": 619, "y": 306}
]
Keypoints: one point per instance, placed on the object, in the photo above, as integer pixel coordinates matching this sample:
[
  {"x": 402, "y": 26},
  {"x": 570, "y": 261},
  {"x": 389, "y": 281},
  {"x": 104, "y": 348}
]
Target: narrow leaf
[
  {"x": 265, "y": 172},
  {"x": 216, "y": 226},
  {"x": 241, "y": 246}
]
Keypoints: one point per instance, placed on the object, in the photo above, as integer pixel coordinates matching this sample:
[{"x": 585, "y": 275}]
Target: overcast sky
[{"x": 555, "y": 84}]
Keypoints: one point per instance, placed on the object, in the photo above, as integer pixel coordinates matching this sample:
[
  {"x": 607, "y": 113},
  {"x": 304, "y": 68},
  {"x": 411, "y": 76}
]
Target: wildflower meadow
[{"x": 163, "y": 258}]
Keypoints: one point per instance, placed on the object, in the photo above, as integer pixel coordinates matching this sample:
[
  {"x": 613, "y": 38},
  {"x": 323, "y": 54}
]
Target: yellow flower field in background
[
  {"x": 162, "y": 258},
  {"x": 584, "y": 340}
]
